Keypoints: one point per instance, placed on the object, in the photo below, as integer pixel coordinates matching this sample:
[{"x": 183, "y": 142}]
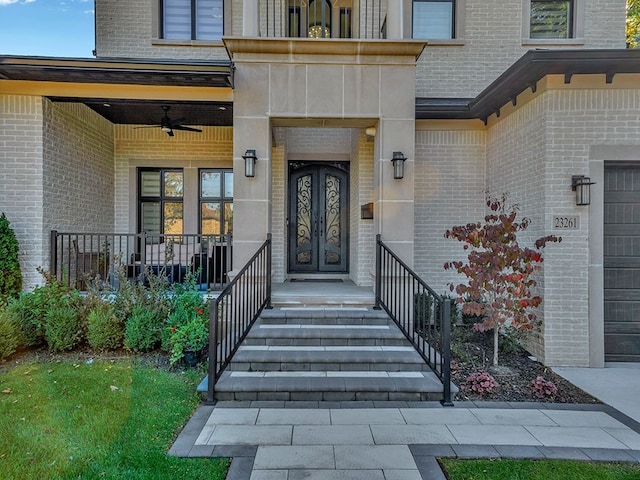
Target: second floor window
[
  {"x": 434, "y": 19},
  {"x": 192, "y": 19},
  {"x": 551, "y": 19}
]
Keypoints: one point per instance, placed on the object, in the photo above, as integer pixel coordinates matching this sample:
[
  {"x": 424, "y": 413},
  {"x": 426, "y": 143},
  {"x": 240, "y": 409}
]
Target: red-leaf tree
[{"x": 500, "y": 273}]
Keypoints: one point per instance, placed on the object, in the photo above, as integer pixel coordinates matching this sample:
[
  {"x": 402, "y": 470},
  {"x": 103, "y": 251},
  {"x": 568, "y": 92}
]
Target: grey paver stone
[
  {"x": 240, "y": 468},
  {"x": 233, "y": 416},
  {"x": 201, "y": 451},
  {"x": 422, "y": 450},
  {"x": 491, "y": 416},
  {"x": 251, "y": 435},
  {"x": 608, "y": 455},
  {"x": 475, "y": 451},
  {"x": 429, "y": 468},
  {"x": 294, "y": 416},
  {"x": 235, "y": 450},
  {"x": 519, "y": 451},
  {"x": 432, "y": 416},
  {"x": 332, "y": 435},
  {"x": 583, "y": 419},
  {"x": 579, "y": 437},
  {"x": 355, "y": 457},
  {"x": 336, "y": 475},
  {"x": 367, "y": 416},
  {"x": 297, "y": 456},
  {"x": 627, "y": 436},
  {"x": 408, "y": 434},
  {"x": 269, "y": 475},
  {"x": 403, "y": 475},
  {"x": 567, "y": 453},
  {"x": 493, "y": 435}
]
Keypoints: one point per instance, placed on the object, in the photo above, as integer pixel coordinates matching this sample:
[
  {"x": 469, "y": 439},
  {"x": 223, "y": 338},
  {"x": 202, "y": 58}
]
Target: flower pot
[{"x": 191, "y": 358}]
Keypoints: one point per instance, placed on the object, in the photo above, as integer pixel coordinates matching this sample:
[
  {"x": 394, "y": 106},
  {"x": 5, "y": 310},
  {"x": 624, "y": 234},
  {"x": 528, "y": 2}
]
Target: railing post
[
  {"x": 53, "y": 254},
  {"x": 445, "y": 308},
  {"x": 213, "y": 348},
  {"x": 268, "y": 272},
  {"x": 378, "y": 272}
]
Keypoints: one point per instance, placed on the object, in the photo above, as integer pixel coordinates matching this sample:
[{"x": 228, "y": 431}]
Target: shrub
[
  {"x": 481, "y": 383},
  {"x": 104, "y": 329},
  {"x": 542, "y": 388},
  {"x": 9, "y": 336},
  {"x": 511, "y": 340},
  {"x": 131, "y": 294},
  {"x": 63, "y": 327},
  {"x": 142, "y": 330},
  {"x": 10, "y": 274},
  {"x": 28, "y": 312}
]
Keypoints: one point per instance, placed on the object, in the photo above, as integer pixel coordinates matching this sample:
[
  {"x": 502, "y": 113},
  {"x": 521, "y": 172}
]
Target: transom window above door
[
  {"x": 216, "y": 201},
  {"x": 160, "y": 200},
  {"x": 192, "y": 19}
]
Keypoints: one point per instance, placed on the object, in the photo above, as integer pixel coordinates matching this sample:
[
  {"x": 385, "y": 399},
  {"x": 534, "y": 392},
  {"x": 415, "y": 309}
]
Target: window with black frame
[
  {"x": 551, "y": 19},
  {"x": 192, "y": 19},
  {"x": 160, "y": 201},
  {"x": 434, "y": 19},
  {"x": 216, "y": 201}
]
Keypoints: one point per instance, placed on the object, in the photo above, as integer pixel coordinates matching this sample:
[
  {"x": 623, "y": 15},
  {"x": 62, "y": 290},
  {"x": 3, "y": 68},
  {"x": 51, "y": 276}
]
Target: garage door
[{"x": 622, "y": 263}]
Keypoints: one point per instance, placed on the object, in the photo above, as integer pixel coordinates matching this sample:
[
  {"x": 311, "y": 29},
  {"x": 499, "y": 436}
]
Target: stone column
[
  {"x": 250, "y": 18},
  {"x": 395, "y": 18}
]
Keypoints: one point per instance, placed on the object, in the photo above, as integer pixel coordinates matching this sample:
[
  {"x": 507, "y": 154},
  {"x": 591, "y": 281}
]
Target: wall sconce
[
  {"x": 250, "y": 163},
  {"x": 582, "y": 186},
  {"x": 398, "y": 164}
]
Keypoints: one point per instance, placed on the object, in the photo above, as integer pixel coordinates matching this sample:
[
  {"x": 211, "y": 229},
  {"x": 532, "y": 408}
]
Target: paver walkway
[{"x": 399, "y": 440}]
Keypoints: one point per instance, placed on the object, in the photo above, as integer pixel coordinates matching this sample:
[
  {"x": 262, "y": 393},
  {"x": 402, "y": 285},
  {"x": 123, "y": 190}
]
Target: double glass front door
[{"x": 318, "y": 217}]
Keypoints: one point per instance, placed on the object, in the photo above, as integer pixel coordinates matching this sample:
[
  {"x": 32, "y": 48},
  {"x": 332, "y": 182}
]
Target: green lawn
[
  {"x": 538, "y": 470},
  {"x": 105, "y": 419}
]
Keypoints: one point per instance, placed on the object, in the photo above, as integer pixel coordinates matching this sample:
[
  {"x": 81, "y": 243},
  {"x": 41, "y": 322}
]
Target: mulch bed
[{"x": 472, "y": 351}]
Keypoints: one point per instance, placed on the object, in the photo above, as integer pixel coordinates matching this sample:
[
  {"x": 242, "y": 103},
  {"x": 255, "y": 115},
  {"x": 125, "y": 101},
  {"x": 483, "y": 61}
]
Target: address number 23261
[{"x": 566, "y": 222}]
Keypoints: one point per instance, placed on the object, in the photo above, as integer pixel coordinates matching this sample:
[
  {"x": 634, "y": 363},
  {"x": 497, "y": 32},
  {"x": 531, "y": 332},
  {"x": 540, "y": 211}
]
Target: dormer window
[
  {"x": 552, "y": 19},
  {"x": 434, "y": 19},
  {"x": 192, "y": 19}
]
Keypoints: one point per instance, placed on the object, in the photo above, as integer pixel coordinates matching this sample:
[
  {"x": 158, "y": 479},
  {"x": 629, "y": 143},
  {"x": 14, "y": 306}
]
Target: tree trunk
[{"x": 495, "y": 346}]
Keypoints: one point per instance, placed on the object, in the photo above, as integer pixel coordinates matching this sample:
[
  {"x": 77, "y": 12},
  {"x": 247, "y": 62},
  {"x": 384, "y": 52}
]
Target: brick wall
[
  {"x": 21, "y": 195},
  {"x": 493, "y": 42},
  {"x": 449, "y": 190}
]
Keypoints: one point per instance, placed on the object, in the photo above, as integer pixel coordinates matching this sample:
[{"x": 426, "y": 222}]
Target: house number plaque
[{"x": 566, "y": 222}]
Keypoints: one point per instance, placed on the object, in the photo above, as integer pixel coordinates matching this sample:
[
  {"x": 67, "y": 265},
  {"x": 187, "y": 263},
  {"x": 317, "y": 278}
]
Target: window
[
  {"x": 216, "y": 201},
  {"x": 434, "y": 19},
  {"x": 192, "y": 19},
  {"x": 160, "y": 193},
  {"x": 551, "y": 19}
]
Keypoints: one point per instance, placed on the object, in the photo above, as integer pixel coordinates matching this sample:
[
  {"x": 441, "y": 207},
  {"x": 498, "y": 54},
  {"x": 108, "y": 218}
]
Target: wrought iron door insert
[{"x": 318, "y": 217}]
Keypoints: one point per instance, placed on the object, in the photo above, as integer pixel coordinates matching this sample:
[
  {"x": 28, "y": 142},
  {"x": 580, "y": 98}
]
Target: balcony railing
[
  {"x": 79, "y": 259},
  {"x": 364, "y": 19}
]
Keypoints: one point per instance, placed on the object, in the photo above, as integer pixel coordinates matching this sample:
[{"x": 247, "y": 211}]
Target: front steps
[{"x": 327, "y": 354}]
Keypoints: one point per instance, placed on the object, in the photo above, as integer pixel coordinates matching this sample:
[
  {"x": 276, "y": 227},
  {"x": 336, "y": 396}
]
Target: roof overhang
[
  {"x": 524, "y": 74},
  {"x": 127, "y": 91}
]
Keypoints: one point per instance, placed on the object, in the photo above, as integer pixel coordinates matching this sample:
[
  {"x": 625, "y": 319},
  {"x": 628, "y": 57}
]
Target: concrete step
[
  {"x": 329, "y": 386},
  {"x": 324, "y": 335},
  {"x": 259, "y": 358},
  {"x": 324, "y": 316}
]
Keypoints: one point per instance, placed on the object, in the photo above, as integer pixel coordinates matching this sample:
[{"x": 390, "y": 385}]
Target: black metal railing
[
  {"x": 81, "y": 259},
  {"x": 363, "y": 19},
  {"x": 236, "y": 309},
  {"x": 422, "y": 315}
]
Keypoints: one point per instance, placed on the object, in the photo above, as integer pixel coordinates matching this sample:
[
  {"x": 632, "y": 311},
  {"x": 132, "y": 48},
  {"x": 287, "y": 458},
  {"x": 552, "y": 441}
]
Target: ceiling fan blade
[
  {"x": 148, "y": 126},
  {"x": 170, "y": 133},
  {"x": 186, "y": 129}
]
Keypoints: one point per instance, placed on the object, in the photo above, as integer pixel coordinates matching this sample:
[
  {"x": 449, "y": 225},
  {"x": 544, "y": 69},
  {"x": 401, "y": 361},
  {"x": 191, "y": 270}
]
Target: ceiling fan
[{"x": 167, "y": 125}]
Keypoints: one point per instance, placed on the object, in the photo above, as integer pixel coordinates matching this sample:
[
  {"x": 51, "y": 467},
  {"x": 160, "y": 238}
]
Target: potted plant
[{"x": 189, "y": 338}]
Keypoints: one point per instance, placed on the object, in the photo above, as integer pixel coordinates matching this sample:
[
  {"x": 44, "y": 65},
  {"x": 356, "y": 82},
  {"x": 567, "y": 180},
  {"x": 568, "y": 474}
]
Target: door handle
[{"x": 321, "y": 225}]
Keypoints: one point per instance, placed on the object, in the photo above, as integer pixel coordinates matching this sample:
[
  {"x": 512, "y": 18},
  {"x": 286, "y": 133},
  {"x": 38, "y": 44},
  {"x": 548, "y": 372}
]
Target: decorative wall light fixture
[
  {"x": 582, "y": 186},
  {"x": 250, "y": 163},
  {"x": 398, "y": 164}
]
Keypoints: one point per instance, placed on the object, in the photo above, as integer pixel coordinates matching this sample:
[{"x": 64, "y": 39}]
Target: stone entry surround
[{"x": 398, "y": 440}]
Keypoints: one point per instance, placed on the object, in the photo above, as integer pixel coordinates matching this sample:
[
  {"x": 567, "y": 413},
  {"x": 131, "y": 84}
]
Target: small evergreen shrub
[
  {"x": 142, "y": 330},
  {"x": 63, "y": 327},
  {"x": 9, "y": 336},
  {"x": 542, "y": 388},
  {"x": 10, "y": 274},
  {"x": 104, "y": 329},
  {"x": 481, "y": 383}
]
